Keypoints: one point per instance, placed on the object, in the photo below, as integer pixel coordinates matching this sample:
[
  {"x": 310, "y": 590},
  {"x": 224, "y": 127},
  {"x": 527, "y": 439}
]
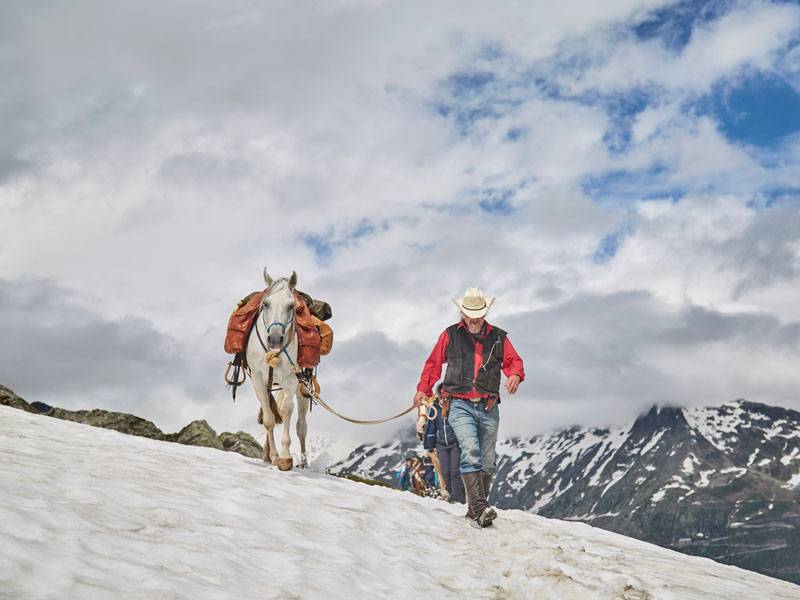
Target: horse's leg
[
  {"x": 285, "y": 401},
  {"x": 273, "y": 447},
  {"x": 302, "y": 426},
  {"x": 270, "y": 453}
]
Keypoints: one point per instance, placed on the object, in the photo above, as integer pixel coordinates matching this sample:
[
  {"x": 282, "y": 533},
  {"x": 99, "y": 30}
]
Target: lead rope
[
  {"x": 315, "y": 397},
  {"x": 312, "y": 393},
  {"x": 309, "y": 386}
]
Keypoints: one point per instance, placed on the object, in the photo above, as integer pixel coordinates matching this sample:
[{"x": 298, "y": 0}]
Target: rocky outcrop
[
  {"x": 196, "y": 433},
  {"x": 122, "y": 422},
  {"x": 241, "y": 442},
  {"x": 9, "y": 398}
]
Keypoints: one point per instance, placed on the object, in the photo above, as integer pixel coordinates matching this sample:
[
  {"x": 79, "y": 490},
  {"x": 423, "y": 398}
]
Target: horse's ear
[
  {"x": 293, "y": 280},
  {"x": 267, "y": 278}
]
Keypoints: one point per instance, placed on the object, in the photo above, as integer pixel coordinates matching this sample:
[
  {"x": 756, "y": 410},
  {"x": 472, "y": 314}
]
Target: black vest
[{"x": 460, "y": 356}]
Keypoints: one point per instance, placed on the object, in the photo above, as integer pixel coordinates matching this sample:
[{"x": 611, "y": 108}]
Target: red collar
[{"x": 464, "y": 326}]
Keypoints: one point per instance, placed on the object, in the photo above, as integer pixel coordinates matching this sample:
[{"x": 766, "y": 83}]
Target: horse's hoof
[{"x": 285, "y": 464}]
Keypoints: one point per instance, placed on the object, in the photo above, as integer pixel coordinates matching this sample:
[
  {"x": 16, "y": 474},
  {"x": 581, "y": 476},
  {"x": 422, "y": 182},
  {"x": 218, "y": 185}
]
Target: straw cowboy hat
[{"x": 474, "y": 304}]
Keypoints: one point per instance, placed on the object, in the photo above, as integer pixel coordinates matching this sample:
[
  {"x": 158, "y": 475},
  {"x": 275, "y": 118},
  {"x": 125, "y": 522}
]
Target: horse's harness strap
[
  {"x": 269, "y": 386},
  {"x": 240, "y": 373}
]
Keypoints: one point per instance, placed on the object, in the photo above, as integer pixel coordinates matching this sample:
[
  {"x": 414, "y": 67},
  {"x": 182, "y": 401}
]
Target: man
[{"x": 476, "y": 353}]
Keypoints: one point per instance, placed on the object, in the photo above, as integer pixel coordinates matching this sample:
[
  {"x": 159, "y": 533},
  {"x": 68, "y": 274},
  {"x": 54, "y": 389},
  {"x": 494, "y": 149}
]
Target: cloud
[
  {"x": 586, "y": 354},
  {"x": 567, "y": 159},
  {"x": 768, "y": 251},
  {"x": 54, "y": 348}
]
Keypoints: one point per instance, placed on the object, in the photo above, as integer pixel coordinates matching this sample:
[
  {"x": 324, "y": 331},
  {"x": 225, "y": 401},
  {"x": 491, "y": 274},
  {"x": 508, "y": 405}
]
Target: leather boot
[
  {"x": 486, "y": 482},
  {"x": 479, "y": 508},
  {"x": 489, "y": 514}
]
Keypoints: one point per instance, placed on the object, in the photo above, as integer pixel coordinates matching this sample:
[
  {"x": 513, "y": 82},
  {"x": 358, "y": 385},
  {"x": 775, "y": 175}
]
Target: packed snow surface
[{"x": 91, "y": 513}]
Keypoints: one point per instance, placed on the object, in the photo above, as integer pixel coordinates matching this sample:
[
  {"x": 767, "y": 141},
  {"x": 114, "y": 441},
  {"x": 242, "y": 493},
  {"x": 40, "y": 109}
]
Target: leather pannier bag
[
  {"x": 326, "y": 338},
  {"x": 241, "y": 322},
  {"x": 308, "y": 338}
]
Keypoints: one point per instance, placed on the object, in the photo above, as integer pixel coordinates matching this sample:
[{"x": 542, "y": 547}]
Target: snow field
[{"x": 91, "y": 513}]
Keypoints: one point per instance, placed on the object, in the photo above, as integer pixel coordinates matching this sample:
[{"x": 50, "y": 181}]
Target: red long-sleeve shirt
[{"x": 512, "y": 364}]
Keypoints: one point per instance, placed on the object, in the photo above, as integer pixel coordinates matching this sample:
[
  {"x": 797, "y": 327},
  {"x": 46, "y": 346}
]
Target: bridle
[{"x": 286, "y": 326}]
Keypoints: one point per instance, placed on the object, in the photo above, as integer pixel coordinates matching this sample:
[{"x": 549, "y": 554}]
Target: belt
[{"x": 490, "y": 400}]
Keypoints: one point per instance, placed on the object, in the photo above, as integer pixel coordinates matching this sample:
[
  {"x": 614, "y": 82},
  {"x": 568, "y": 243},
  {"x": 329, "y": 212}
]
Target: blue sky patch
[
  {"x": 469, "y": 83},
  {"x": 469, "y": 97},
  {"x": 609, "y": 245},
  {"x": 515, "y": 133},
  {"x": 321, "y": 246},
  {"x": 498, "y": 200},
  {"x": 673, "y": 25},
  {"x": 324, "y": 245},
  {"x": 782, "y": 194},
  {"x": 759, "y": 110},
  {"x": 626, "y": 186},
  {"x": 622, "y": 110}
]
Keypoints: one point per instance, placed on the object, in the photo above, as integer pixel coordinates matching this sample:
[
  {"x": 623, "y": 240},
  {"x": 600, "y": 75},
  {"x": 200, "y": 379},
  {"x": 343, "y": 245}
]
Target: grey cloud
[
  {"x": 699, "y": 326},
  {"x": 623, "y": 352},
  {"x": 52, "y": 347},
  {"x": 765, "y": 252},
  {"x": 11, "y": 166},
  {"x": 198, "y": 168}
]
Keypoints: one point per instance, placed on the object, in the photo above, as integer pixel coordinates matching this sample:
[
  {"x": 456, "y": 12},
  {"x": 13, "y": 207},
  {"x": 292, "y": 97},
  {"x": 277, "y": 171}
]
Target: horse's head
[{"x": 277, "y": 309}]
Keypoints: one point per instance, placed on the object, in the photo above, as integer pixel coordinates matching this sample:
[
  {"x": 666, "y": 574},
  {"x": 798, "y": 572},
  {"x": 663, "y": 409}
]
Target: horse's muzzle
[{"x": 275, "y": 341}]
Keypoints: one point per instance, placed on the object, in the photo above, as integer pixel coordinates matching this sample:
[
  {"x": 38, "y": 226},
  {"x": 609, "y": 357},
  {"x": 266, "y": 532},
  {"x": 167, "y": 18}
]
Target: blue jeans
[{"x": 476, "y": 432}]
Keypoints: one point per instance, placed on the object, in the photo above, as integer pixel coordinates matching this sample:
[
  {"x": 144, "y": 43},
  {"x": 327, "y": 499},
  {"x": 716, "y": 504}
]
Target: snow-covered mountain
[
  {"x": 93, "y": 513},
  {"x": 720, "y": 482}
]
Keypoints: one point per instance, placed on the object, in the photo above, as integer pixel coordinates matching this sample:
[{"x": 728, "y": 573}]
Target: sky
[{"x": 623, "y": 176}]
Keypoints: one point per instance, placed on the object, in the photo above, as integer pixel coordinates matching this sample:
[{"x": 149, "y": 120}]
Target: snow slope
[{"x": 91, "y": 513}]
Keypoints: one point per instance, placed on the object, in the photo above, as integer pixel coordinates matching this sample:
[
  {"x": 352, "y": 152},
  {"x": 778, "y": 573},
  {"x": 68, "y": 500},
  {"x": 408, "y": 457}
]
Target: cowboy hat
[{"x": 474, "y": 304}]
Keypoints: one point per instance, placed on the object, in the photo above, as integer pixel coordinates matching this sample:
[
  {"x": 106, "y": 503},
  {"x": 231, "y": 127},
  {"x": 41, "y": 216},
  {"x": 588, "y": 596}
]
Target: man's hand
[
  {"x": 419, "y": 398},
  {"x": 512, "y": 384}
]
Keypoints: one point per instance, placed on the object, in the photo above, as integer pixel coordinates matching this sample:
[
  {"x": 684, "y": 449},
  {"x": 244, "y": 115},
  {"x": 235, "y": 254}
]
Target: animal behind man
[{"x": 476, "y": 354}]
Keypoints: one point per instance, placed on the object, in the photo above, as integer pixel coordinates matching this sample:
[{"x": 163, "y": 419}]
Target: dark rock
[
  {"x": 41, "y": 407},
  {"x": 241, "y": 442},
  {"x": 197, "y": 433}
]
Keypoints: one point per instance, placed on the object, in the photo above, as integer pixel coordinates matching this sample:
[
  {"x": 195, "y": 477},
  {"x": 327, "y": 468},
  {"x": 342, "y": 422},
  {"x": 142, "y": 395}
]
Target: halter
[{"x": 285, "y": 326}]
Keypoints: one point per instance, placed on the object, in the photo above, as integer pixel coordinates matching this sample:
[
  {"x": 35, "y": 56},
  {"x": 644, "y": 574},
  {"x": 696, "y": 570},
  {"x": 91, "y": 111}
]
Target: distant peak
[{"x": 660, "y": 416}]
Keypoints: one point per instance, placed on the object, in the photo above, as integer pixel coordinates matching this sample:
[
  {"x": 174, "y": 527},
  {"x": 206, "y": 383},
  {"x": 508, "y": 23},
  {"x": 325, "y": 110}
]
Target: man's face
[{"x": 474, "y": 325}]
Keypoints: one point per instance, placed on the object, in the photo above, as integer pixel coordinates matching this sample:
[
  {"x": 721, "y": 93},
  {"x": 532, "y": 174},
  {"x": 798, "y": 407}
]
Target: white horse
[{"x": 275, "y": 333}]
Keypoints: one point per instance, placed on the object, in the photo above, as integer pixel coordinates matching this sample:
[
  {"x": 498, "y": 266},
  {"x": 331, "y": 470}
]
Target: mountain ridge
[{"x": 720, "y": 482}]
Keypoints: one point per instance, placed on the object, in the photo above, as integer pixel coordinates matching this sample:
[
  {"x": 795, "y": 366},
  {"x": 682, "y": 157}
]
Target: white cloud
[
  {"x": 748, "y": 36},
  {"x": 157, "y": 158}
]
